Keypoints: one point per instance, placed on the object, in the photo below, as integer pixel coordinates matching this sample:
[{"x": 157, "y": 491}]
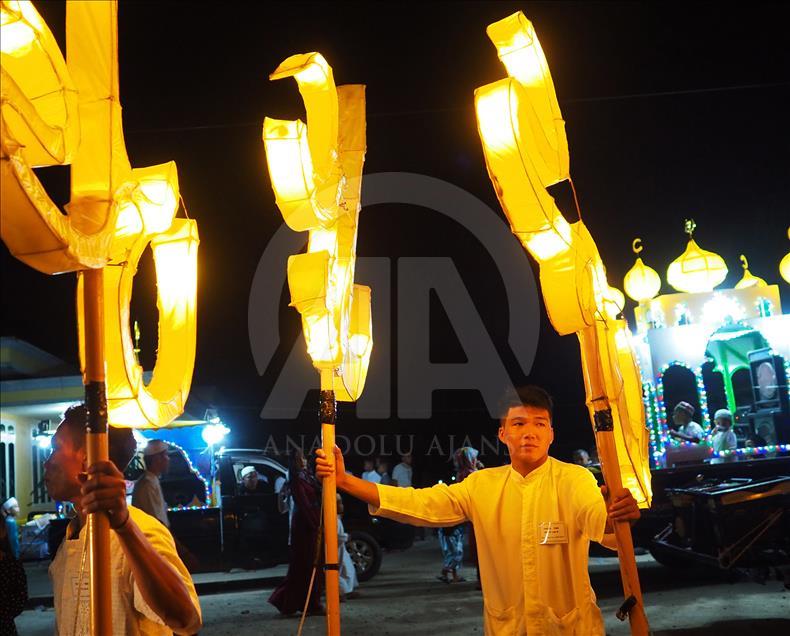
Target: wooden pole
[
  {"x": 603, "y": 425},
  {"x": 329, "y": 493},
  {"x": 97, "y": 449}
]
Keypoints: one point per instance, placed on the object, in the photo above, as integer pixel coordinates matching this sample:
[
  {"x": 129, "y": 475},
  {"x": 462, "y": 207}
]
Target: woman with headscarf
[
  {"x": 451, "y": 539},
  {"x": 305, "y": 491}
]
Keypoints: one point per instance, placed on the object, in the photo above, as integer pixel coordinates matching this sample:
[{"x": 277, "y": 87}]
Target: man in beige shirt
[
  {"x": 533, "y": 518},
  {"x": 152, "y": 592},
  {"x": 147, "y": 494}
]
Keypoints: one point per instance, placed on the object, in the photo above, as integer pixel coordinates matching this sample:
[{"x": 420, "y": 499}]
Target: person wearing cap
[
  {"x": 151, "y": 590},
  {"x": 683, "y": 426},
  {"x": 252, "y": 482},
  {"x": 10, "y": 511},
  {"x": 723, "y": 438},
  {"x": 147, "y": 494}
]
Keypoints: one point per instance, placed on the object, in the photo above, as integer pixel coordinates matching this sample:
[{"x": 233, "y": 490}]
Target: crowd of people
[{"x": 487, "y": 509}]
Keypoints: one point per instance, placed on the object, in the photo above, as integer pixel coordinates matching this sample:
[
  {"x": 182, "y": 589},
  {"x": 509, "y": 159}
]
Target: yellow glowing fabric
[
  {"x": 641, "y": 282},
  {"x": 56, "y": 113},
  {"x": 696, "y": 270},
  {"x": 749, "y": 279},
  {"x": 525, "y": 147},
  {"x": 316, "y": 175}
]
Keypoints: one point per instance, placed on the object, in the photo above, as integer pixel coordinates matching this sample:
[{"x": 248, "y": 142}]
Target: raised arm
[
  {"x": 354, "y": 486},
  {"x": 439, "y": 506},
  {"x": 160, "y": 585}
]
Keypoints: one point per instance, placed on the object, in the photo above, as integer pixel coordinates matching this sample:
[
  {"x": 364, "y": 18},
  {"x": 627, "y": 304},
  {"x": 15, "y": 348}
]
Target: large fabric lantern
[
  {"x": 114, "y": 212},
  {"x": 784, "y": 265},
  {"x": 526, "y": 150}
]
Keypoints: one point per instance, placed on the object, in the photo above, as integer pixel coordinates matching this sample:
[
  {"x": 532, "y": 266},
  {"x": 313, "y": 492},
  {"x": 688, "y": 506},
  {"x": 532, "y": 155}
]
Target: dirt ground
[{"x": 405, "y": 599}]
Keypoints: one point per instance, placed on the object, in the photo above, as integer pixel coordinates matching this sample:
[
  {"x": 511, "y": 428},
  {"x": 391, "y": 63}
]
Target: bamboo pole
[
  {"x": 603, "y": 425},
  {"x": 329, "y": 493},
  {"x": 97, "y": 449}
]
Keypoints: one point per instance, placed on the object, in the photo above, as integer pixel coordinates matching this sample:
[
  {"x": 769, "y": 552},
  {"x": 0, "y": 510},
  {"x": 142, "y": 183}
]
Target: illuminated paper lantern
[
  {"x": 748, "y": 279},
  {"x": 57, "y": 113},
  {"x": 525, "y": 148},
  {"x": 303, "y": 160},
  {"x": 348, "y": 385},
  {"x": 641, "y": 282},
  {"x": 316, "y": 175},
  {"x": 696, "y": 270}
]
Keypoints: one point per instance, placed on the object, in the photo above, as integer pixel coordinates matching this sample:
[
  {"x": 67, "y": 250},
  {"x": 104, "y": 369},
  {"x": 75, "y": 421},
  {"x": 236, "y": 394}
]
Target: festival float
[{"x": 714, "y": 348}]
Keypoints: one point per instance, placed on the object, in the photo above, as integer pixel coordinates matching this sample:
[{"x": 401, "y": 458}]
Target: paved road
[{"x": 405, "y": 599}]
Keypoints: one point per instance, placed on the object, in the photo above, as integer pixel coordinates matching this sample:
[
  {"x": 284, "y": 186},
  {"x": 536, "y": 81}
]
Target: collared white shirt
[
  {"x": 533, "y": 536},
  {"x": 131, "y": 615},
  {"x": 402, "y": 474},
  {"x": 148, "y": 497}
]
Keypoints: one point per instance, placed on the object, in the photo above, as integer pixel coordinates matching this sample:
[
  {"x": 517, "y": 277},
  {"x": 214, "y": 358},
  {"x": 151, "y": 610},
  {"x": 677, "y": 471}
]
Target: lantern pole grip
[
  {"x": 97, "y": 449},
  {"x": 328, "y": 411},
  {"x": 603, "y": 426}
]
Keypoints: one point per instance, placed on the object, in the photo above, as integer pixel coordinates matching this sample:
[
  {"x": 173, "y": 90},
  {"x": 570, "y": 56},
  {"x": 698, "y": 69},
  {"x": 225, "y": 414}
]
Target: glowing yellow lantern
[
  {"x": 749, "y": 279},
  {"x": 525, "y": 148},
  {"x": 641, "y": 281},
  {"x": 696, "y": 270},
  {"x": 114, "y": 212},
  {"x": 316, "y": 175},
  {"x": 56, "y": 113},
  {"x": 784, "y": 265}
]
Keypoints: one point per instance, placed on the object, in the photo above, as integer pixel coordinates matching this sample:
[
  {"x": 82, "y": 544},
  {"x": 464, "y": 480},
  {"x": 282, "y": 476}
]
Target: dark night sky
[{"x": 672, "y": 110}]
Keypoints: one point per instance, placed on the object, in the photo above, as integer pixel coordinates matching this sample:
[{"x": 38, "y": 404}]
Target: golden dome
[
  {"x": 641, "y": 282},
  {"x": 749, "y": 279},
  {"x": 696, "y": 270}
]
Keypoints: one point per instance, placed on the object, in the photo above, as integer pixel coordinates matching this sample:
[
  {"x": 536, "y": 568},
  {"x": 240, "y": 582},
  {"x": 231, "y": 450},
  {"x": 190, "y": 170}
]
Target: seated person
[
  {"x": 253, "y": 483},
  {"x": 683, "y": 427}
]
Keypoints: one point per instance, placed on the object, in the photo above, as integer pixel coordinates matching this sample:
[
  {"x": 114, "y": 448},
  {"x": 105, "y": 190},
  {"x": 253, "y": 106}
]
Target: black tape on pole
[
  {"x": 328, "y": 407},
  {"x": 96, "y": 403},
  {"x": 604, "y": 422}
]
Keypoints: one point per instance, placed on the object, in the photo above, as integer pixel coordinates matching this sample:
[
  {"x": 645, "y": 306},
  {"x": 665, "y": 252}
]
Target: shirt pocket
[
  {"x": 561, "y": 625},
  {"x": 501, "y": 622}
]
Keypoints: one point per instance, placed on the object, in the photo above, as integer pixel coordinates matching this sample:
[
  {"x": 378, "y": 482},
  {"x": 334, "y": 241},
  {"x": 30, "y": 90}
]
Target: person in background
[
  {"x": 9, "y": 513},
  {"x": 383, "y": 470},
  {"x": 348, "y": 573},
  {"x": 369, "y": 472},
  {"x": 152, "y": 591},
  {"x": 723, "y": 438},
  {"x": 147, "y": 494},
  {"x": 684, "y": 427},
  {"x": 304, "y": 551},
  {"x": 534, "y": 519},
  {"x": 402, "y": 473},
  {"x": 252, "y": 482}
]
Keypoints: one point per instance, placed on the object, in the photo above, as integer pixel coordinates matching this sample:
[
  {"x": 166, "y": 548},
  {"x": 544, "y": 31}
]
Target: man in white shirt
[
  {"x": 685, "y": 428},
  {"x": 533, "y": 521},
  {"x": 147, "y": 494},
  {"x": 152, "y": 592},
  {"x": 402, "y": 473},
  {"x": 370, "y": 473}
]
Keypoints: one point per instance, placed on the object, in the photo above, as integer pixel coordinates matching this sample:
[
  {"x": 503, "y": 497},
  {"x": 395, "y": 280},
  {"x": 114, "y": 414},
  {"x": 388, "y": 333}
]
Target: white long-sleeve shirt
[{"x": 533, "y": 536}]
